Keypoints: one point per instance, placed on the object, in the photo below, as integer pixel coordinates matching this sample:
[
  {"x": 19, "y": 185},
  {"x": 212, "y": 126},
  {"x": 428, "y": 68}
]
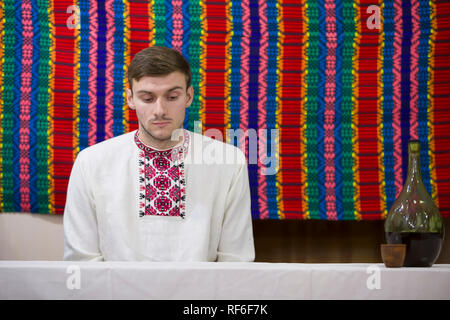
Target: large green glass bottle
[{"x": 414, "y": 218}]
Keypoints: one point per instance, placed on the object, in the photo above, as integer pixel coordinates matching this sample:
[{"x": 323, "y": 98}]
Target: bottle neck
[{"x": 414, "y": 173}]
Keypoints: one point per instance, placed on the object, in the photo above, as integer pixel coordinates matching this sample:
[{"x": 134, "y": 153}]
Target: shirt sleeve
[
  {"x": 80, "y": 221},
  {"x": 236, "y": 242}
]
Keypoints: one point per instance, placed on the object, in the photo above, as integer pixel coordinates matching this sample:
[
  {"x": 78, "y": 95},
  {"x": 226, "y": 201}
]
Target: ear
[
  {"x": 130, "y": 99},
  {"x": 190, "y": 96}
]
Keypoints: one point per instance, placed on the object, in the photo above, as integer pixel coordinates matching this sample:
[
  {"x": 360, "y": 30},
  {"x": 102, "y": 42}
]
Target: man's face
[{"x": 160, "y": 103}]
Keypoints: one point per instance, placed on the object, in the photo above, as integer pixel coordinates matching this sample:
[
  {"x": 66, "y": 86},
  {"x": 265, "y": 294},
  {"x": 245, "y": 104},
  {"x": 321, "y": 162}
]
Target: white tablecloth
[{"x": 227, "y": 281}]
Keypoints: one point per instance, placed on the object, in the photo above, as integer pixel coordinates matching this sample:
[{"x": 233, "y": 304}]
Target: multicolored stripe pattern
[{"x": 333, "y": 90}]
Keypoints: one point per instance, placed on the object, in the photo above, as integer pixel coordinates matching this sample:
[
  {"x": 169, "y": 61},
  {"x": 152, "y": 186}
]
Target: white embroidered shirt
[{"x": 130, "y": 202}]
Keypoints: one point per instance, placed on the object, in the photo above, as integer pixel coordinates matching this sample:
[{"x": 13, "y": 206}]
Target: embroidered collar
[
  {"x": 162, "y": 184},
  {"x": 176, "y": 153}
]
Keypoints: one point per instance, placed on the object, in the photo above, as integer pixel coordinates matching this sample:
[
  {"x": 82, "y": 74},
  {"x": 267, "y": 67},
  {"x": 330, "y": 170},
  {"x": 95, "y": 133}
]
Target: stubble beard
[{"x": 164, "y": 139}]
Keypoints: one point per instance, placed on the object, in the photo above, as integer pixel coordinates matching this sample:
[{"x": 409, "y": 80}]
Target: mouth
[{"x": 161, "y": 123}]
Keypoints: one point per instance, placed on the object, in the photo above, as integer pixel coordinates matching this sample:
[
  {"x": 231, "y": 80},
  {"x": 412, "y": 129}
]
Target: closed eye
[{"x": 147, "y": 99}]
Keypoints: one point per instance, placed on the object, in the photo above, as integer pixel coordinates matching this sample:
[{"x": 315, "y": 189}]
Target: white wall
[{"x": 26, "y": 236}]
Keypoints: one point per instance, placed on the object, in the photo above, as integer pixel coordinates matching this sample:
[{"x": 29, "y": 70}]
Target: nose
[{"x": 160, "y": 109}]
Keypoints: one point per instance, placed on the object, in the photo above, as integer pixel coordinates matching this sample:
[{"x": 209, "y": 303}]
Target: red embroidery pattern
[{"x": 162, "y": 184}]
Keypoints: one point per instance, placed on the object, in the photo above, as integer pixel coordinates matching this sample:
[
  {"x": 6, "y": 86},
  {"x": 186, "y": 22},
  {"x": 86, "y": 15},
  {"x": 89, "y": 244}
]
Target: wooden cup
[{"x": 393, "y": 255}]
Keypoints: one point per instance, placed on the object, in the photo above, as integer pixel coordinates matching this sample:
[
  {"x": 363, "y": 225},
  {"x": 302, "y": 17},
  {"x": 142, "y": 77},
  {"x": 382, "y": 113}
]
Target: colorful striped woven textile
[{"x": 346, "y": 85}]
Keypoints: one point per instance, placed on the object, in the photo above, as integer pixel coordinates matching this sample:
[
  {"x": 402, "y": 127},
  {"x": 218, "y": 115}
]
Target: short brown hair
[{"x": 158, "y": 61}]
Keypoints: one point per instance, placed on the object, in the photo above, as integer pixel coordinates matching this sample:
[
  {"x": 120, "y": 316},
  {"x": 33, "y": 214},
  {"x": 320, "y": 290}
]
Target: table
[{"x": 221, "y": 281}]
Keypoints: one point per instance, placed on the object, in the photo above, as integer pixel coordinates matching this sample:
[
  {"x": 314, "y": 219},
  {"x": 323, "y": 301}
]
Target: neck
[
  {"x": 159, "y": 145},
  {"x": 413, "y": 179},
  {"x": 414, "y": 167}
]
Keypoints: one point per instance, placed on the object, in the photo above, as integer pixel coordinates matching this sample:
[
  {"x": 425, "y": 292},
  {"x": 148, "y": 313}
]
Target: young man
[{"x": 159, "y": 193}]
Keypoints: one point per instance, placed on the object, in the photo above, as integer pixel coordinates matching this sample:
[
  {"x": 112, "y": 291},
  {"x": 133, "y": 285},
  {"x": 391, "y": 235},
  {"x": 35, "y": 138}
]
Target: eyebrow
[{"x": 149, "y": 92}]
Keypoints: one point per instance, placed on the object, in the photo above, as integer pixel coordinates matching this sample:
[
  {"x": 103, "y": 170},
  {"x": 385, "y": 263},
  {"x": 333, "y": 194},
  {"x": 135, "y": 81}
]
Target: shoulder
[
  {"x": 214, "y": 151},
  {"x": 112, "y": 147}
]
